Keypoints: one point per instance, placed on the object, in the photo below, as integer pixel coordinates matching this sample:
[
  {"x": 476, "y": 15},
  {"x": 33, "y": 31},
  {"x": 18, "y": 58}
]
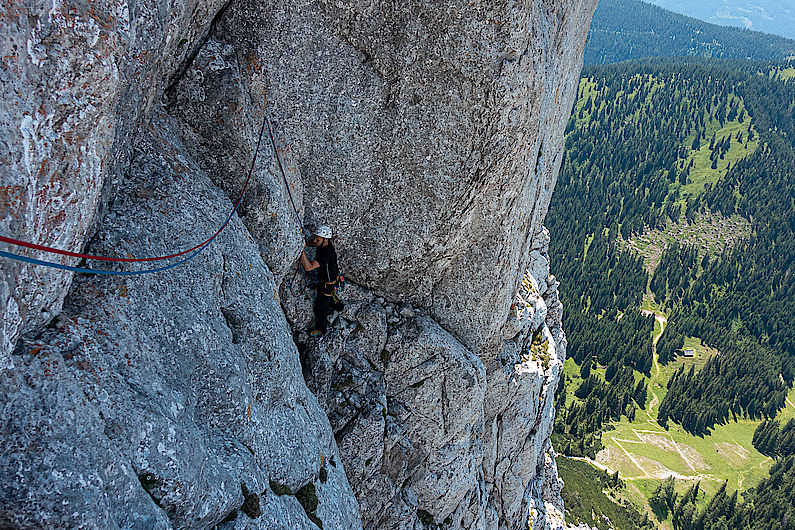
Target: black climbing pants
[{"x": 323, "y": 305}]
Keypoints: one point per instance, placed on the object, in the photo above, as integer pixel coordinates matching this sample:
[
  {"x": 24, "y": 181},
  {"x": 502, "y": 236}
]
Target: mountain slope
[
  {"x": 680, "y": 169},
  {"x": 631, "y": 29},
  {"x": 429, "y": 139},
  {"x": 769, "y": 16}
]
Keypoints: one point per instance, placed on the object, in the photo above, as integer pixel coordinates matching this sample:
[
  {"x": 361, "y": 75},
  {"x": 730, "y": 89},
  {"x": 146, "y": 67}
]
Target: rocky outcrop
[
  {"x": 219, "y": 118},
  {"x": 186, "y": 387},
  {"x": 78, "y": 78},
  {"x": 428, "y": 135},
  {"x": 428, "y": 431}
]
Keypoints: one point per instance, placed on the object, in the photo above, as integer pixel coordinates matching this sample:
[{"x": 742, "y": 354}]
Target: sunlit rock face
[
  {"x": 427, "y": 134},
  {"x": 429, "y": 431},
  {"x": 79, "y": 77}
]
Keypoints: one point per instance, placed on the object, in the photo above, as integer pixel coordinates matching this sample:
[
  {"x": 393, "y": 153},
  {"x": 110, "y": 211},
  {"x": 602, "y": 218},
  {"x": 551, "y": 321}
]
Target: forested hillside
[
  {"x": 658, "y": 146},
  {"x": 766, "y": 506},
  {"x": 768, "y": 16},
  {"x": 636, "y": 157},
  {"x": 743, "y": 302},
  {"x": 630, "y": 29}
]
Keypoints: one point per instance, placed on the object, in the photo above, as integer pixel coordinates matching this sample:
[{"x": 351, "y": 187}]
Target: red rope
[{"x": 44, "y": 248}]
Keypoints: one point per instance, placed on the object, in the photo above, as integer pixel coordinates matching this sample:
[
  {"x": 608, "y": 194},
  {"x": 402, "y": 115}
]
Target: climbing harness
[
  {"x": 339, "y": 286},
  {"x": 196, "y": 249}
]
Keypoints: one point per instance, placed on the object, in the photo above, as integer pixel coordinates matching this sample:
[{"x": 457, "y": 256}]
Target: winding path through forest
[
  {"x": 640, "y": 435},
  {"x": 663, "y": 321}
]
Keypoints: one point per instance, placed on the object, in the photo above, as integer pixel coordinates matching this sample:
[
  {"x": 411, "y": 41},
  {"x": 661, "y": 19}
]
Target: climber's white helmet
[{"x": 323, "y": 231}]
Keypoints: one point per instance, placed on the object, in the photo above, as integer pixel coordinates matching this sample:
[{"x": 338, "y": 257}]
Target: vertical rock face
[
  {"x": 186, "y": 387},
  {"x": 427, "y": 134},
  {"x": 78, "y": 76},
  {"x": 219, "y": 118},
  {"x": 428, "y": 431}
]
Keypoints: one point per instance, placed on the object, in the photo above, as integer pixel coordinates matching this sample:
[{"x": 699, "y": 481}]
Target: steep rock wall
[
  {"x": 428, "y": 134},
  {"x": 428, "y": 432},
  {"x": 185, "y": 386},
  {"x": 78, "y": 77}
]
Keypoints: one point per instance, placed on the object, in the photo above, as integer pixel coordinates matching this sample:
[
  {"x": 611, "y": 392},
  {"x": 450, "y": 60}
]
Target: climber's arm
[{"x": 308, "y": 265}]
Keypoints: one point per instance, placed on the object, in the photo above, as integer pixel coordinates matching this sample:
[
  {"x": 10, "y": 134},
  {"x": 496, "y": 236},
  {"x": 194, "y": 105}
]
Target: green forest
[
  {"x": 743, "y": 302},
  {"x": 630, "y": 29},
  {"x": 774, "y": 440},
  {"x": 651, "y": 146},
  {"x": 767, "y": 506}
]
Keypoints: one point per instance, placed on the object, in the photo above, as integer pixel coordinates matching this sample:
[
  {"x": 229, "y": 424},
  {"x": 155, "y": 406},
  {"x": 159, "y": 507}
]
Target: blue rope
[
  {"x": 50, "y": 264},
  {"x": 18, "y": 257}
]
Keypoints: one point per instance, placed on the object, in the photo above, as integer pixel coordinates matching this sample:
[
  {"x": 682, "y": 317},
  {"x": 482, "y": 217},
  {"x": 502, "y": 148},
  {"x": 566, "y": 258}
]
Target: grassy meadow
[{"x": 644, "y": 453}]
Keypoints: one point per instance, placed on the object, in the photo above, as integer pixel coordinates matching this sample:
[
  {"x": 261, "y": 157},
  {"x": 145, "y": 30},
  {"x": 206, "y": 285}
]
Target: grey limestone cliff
[{"x": 427, "y": 134}]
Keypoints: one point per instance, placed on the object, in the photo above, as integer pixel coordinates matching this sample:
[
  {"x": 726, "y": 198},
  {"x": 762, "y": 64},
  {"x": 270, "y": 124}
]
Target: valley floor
[{"x": 644, "y": 453}]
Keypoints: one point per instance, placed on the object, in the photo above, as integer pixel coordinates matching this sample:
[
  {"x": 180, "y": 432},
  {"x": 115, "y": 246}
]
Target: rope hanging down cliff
[
  {"x": 284, "y": 175},
  {"x": 196, "y": 249},
  {"x": 291, "y": 281}
]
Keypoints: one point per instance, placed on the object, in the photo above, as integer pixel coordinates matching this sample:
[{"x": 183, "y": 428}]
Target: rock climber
[{"x": 328, "y": 275}]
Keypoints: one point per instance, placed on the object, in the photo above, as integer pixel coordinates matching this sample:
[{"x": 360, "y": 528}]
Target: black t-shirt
[{"x": 327, "y": 258}]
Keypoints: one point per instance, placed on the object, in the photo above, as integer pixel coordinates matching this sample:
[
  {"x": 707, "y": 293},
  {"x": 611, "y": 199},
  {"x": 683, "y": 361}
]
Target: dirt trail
[
  {"x": 661, "y": 476},
  {"x": 591, "y": 461},
  {"x": 663, "y": 321},
  {"x": 631, "y": 457}
]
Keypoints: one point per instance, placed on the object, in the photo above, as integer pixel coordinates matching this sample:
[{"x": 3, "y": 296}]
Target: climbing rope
[
  {"x": 196, "y": 249},
  {"x": 291, "y": 282},
  {"x": 284, "y": 175},
  {"x": 53, "y": 265}
]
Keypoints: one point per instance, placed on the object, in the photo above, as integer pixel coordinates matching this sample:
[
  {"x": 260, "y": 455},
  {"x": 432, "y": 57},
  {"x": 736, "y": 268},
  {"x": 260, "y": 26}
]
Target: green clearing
[
  {"x": 788, "y": 412},
  {"x": 650, "y": 305},
  {"x": 663, "y": 372},
  {"x": 588, "y": 241},
  {"x": 710, "y": 233},
  {"x": 702, "y": 171},
  {"x": 571, "y": 374},
  {"x": 590, "y": 89},
  {"x": 658, "y": 329},
  {"x": 786, "y": 73},
  {"x": 644, "y": 453}
]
